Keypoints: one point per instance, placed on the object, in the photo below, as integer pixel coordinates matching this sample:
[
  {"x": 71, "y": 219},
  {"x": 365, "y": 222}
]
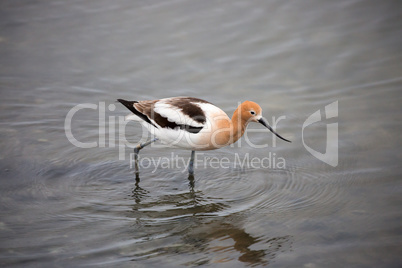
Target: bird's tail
[
  {"x": 137, "y": 115},
  {"x": 129, "y": 105}
]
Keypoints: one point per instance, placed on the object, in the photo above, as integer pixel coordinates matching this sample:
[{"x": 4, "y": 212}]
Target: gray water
[{"x": 66, "y": 206}]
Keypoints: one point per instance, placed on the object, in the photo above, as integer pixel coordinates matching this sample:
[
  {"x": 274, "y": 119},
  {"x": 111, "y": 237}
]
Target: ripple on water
[
  {"x": 274, "y": 191},
  {"x": 168, "y": 195},
  {"x": 93, "y": 192},
  {"x": 103, "y": 197}
]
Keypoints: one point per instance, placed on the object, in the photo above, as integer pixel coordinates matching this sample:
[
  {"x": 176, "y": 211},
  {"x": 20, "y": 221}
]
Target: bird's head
[{"x": 252, "y": 112}]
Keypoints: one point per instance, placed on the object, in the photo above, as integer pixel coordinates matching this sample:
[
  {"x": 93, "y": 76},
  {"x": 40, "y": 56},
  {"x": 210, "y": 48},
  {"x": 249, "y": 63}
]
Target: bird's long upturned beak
[{"x": 264, "y": 123}]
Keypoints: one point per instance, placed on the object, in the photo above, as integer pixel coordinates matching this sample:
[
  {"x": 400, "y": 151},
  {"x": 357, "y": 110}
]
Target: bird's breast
[{"x": 217, "y": 130}]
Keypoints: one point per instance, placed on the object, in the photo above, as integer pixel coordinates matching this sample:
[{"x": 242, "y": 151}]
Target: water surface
[{"x": 66, "y": 206}]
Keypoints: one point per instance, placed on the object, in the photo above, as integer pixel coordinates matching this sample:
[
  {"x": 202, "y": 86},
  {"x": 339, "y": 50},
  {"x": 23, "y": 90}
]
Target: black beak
[{"x": 265, "y": 124}]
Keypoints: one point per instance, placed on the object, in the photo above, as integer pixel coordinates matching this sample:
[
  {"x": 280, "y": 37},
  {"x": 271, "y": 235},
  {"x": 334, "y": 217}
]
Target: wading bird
[{"x": 193, "y": 124}]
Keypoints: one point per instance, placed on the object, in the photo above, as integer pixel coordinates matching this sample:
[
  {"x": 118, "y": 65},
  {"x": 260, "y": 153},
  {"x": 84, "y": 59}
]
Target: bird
[{"x": 192, "y": 123}]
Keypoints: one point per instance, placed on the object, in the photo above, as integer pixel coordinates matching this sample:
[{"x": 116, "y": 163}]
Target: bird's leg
[
  {"x": 136, "y": 151},
  {"x": 191, "y": 163},
  {"x": 191, "y": 172}
]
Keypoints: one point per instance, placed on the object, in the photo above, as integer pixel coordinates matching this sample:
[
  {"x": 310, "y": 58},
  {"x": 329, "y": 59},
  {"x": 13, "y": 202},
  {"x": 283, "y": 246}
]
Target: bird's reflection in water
[
  {"x": 220, "y": 238},
  {"x": 226, "y": 242},
  {"x": 191, "y": 184},
  {"x": 242, "y": 243},
  {"x": 138, "y": 192}
]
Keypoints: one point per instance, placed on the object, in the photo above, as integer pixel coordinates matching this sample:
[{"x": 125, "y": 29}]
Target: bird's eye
[{"x": 252, "y": 112}]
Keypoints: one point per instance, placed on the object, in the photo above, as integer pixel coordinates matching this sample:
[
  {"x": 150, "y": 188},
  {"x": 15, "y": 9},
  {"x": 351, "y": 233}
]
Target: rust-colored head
[{"x": 252, "y": 112}]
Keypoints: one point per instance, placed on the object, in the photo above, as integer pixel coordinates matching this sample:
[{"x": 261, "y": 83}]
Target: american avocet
[{"x": 192, "y": 123}]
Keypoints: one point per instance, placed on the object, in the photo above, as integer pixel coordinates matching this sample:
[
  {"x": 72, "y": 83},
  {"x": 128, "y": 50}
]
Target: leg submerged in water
[
  {"x": 136, "y": 152},
  {"x": 191, "y": 163}
]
